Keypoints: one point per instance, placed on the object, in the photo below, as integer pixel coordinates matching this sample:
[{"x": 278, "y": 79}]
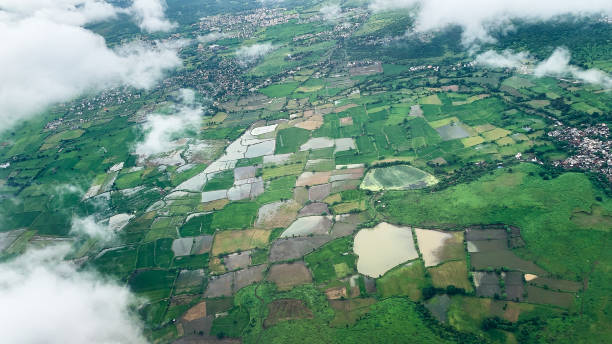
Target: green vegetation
[{"x": 322, "y": 261}]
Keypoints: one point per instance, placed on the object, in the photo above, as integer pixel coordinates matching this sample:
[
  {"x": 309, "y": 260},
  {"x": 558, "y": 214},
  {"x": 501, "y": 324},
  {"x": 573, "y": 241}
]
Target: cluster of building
[
  {"x": 244, "y": 25},
  {"x": 592, "y": 145}
]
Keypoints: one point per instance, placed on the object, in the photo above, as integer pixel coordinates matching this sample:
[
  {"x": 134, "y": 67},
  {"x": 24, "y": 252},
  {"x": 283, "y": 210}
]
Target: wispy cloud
[
  {"x": 88, "y": 227},
  {"x": 556, "y": 65},
  {"x": 479, "y": 17},
  {"x": 211, "y": 37},
  {"x": 249, "y": 54},
  {"x": 161, "y": 129},
  {"x": 505, "y": 59},
  {"x": 38, "y": 286},
  {"x": 331, "y": 12}
]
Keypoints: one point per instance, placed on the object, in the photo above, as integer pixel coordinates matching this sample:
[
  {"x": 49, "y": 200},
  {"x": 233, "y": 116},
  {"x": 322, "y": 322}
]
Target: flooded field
[
  {"x": 383, "y": 247},
  {"x": 437, "y": 246},
  {"x": 304, "y": 226}
]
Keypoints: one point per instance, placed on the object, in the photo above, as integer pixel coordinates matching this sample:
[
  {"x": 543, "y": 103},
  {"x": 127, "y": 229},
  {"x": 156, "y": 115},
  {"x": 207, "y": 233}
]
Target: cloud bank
[
  {"x": 46, "y": 300},
  {"x": 556, "y": 65},
  {"x": 248, "y": 55},
  {"x": 161, "y": 129},
  {"x": 52, "y": 58},
  {"x": 478, "y": 17}
]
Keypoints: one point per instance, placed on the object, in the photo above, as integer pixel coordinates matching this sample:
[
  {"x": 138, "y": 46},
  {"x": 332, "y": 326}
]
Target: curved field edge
[
  {"x": 542, "y": 209},
  {"x": 398, "y": 177}
]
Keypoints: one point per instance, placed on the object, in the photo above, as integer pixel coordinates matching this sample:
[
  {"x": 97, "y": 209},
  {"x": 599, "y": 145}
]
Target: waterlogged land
[{"x": 339, "y": 188}]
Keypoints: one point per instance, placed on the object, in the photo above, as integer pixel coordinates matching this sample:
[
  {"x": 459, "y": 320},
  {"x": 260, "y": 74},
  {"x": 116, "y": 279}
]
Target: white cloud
[
  {"x": 505, "y": 59},
  {"x": 53, "y": 59},
  {"x": 150, "y": 15},
  {"x": 247, "y": 55},
  {"x": 46, "y": 300},
  {"x": 88, "y": 227},
  {"x": 211, "y": 37},
  {"x": 331, "y": 12},
  {"x": 161, "y": 129},
  {"x": 73, "y": 12},
  {"x": 478, "y": 17},
  {"x": 556, "y": 65}
]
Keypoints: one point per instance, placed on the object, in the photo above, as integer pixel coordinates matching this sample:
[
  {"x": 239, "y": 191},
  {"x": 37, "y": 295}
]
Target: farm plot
[
  {"x": 289, "y": 140},
  {"x": 189, "y": 281},
  {"x": 399, "y": 177},
  {"x": 293, "y": 248},
  {"x": 347, "y": 312},
  {"x": 383, "y": 247},
  {"x": 220, "y": 286},
  {"x": 313, "y": 178},
  {"x": 408, "y": 280},
  {"x": 438, "y": 306},
  {"x": 453, "y": 273},
  {"x": 452, "y": 132},
  {"x": 487, "y": 284},
  {"x": 304, "y": 226},
  {"x": 286, "y": 309},
  {"x": 277, "y": 215},
  {"x": 239, "y": 240},
  {"x": 513, "y": 285},
  {"x": 319, "y": 192},
  {"x": 287, "y": 276},
  {"x": 437, "y": 246},
  {"x": 237, "y": 260},
  {"x": 314, "y": 209},
  {"x": 202, "y": 244},
  {"x": 248, "y": 276},
  {"x": 548, "y": 297}
]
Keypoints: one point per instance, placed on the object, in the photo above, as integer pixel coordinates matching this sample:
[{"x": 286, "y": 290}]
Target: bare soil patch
[
  {"x": 286, "y": 276},
  {"x": 293, "y": 248}
]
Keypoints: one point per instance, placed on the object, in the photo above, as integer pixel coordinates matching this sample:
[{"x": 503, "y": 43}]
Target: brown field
[
  {"x": 292, "y": 248},
  {"x": 216, "y": 265},
  {"x": 286, "y": 276},
  {"x": 243, "y": 278},
  {"x": 346, "y": 121},
  {"x": 335, "y": 293},
  {"x": 239, "y": 240},
  {"x": 220, "y": 286},
  {"x": 300, "y": 195},
  {"x": 347, "y": 312},
  {"x": 196, "y": 312},
  {"x": 286, "y": 309},
  {"x": 277, "y": 214},
  {"x": 314, "y": 209},
  {"x": 344, "y": 108},
  {"x": 319, "y": 192},
  {"x": 310, "y": 178},
  {"x": 548, "y": 297},
  {"x": 451, "y": 273},
  {"x": 335, "y": 198},
  {"x": 312, "y": 123},
  {"x": 214, "y": 205},
  {"x": 503, "y": 258},
  {"x": 556, "y": 284}
]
